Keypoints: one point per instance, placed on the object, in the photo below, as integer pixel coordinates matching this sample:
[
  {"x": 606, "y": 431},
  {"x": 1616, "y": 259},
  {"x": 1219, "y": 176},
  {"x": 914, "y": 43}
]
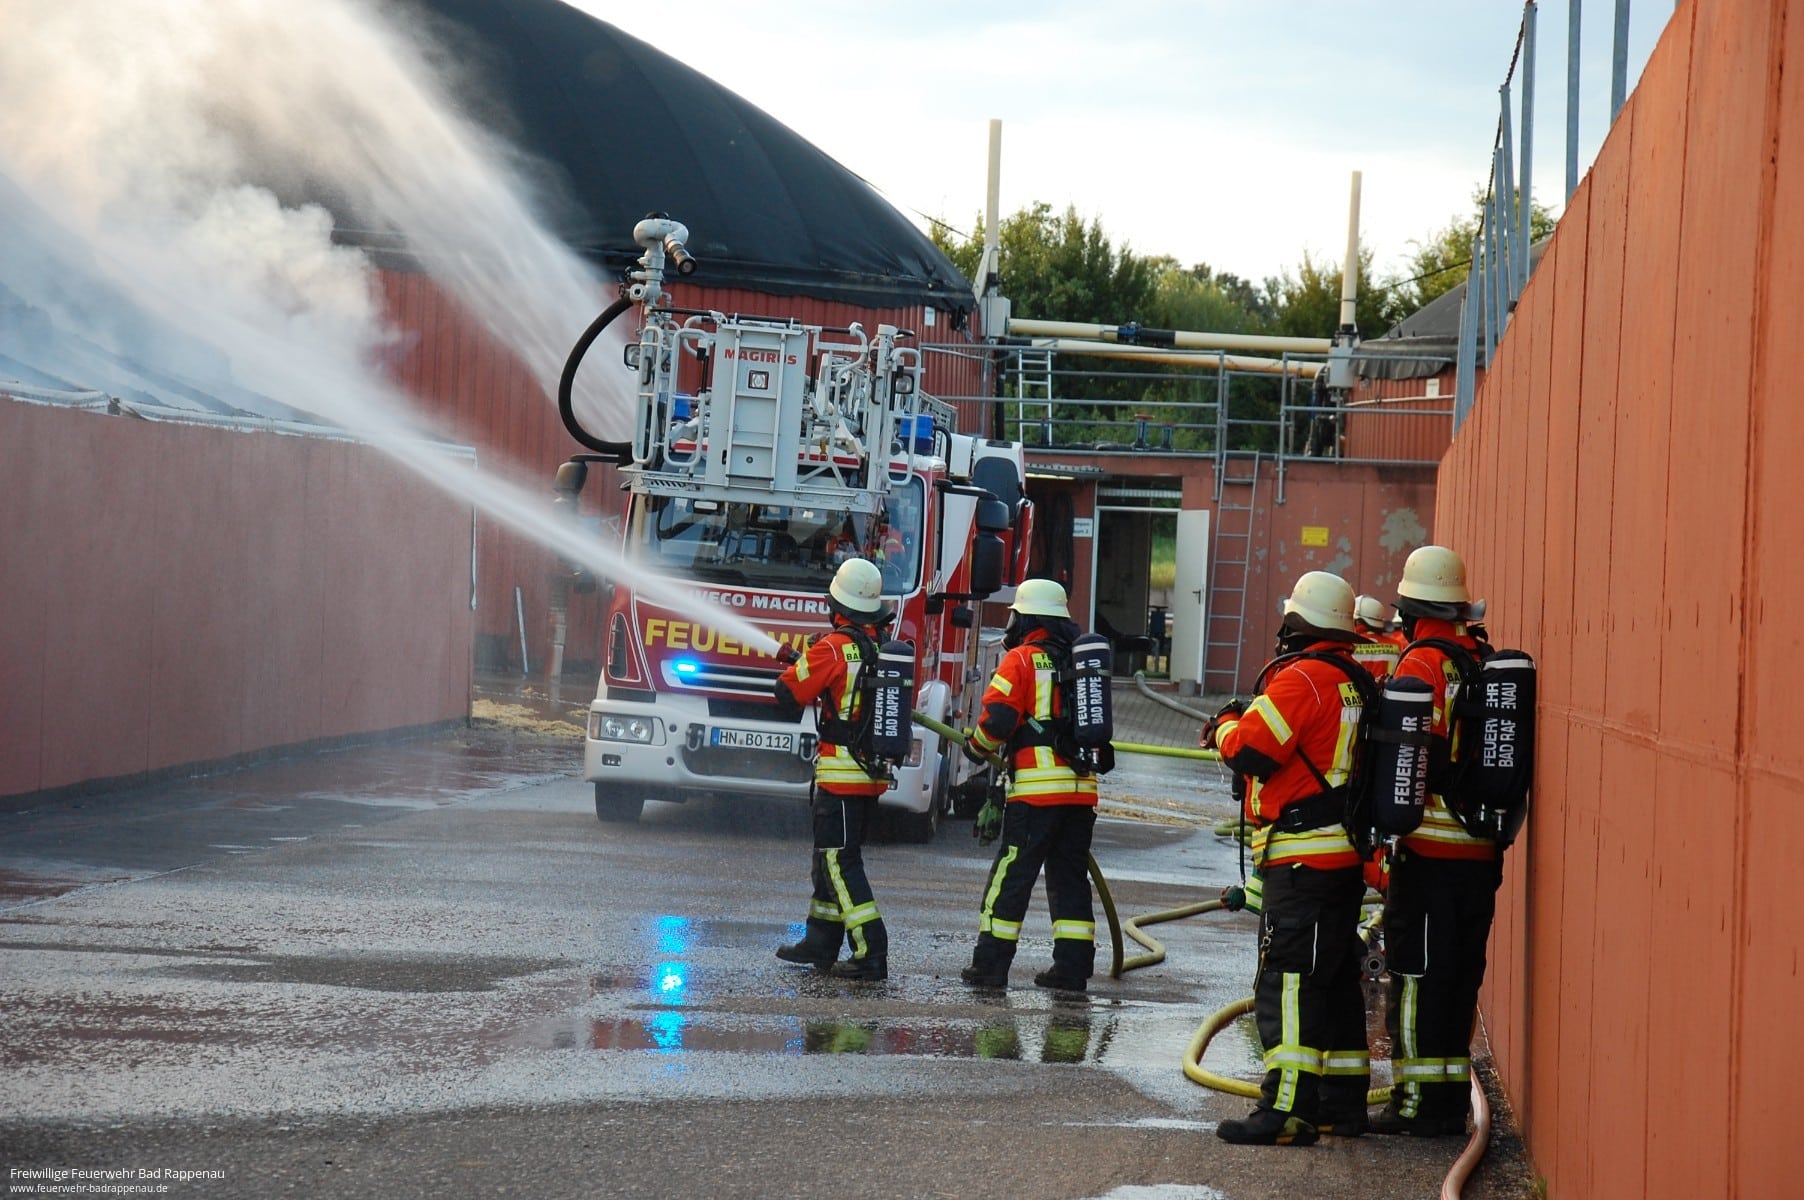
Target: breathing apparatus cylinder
[
  {"x": 1496, "y": 770},
  {"x": 892, "y": 700},
  {"x": 1400, "y": 740},
  {"x": 1093, "y": 703}
]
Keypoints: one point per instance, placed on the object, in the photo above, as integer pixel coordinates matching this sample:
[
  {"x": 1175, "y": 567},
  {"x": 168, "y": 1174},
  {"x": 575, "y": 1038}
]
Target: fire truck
[{"x": 763, "y": 453}]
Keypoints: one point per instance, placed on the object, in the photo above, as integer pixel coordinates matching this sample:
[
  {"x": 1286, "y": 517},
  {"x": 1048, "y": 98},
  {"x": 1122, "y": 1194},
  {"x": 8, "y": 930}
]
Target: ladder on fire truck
[{"x": 1236, "y": 496}]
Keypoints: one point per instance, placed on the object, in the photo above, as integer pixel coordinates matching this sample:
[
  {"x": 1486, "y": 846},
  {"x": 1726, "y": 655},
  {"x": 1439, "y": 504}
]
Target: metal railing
[{"x": 1501, "y": 261}]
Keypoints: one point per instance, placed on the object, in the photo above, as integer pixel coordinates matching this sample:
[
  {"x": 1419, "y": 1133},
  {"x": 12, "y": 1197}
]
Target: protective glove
[
  {"x": 1228, "y": 713},
  {"x": 988, "y": 826},
  {"x": 787, "y": 654},
  {"x": 969, "y": 746}
]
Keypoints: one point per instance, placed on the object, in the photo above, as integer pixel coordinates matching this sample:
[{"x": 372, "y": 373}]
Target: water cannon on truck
[{"x": 763, "y": 451}]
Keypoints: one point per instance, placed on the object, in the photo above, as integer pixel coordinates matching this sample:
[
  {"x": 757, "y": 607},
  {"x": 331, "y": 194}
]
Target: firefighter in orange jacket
[
  {"x": 1295, "y": 745},
  {"x": 1378, "y": 647},
  {"x": 844, "y": 798},
  {"x": 1051, "y": 808},
  {"x": 1442, "y": 891}
]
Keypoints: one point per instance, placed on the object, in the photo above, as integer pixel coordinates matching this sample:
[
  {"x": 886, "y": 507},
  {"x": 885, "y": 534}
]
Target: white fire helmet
[
  {"x": 1434, "y": 574},
  {"x": 1041, "y": 598},
  {"x": 1322, "y": 599},
  {"x": 1369, "y": 611},
  {"x": 857, "y": 589}
]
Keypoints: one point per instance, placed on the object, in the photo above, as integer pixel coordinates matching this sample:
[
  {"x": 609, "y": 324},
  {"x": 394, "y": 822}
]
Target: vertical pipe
[
  {"x": 1525, "y": 190},
  {"x": 1505, "y": 192},
  {"x": 1349, "y": 271},
  {"x": 1572, "y": 94},
  {"x": 1619, "y": 60},
  {"x": 992, "y": 204},
  {"x": 520, "y": 619}
]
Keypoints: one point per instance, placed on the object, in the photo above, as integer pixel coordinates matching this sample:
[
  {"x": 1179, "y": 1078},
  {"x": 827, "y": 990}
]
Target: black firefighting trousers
[
  {"x": 1056, "y": 837},
  {"x": 1437, "y": 917},
  {"x": 843, "y": 909},
  {"x": 1307, "y": 1001}
]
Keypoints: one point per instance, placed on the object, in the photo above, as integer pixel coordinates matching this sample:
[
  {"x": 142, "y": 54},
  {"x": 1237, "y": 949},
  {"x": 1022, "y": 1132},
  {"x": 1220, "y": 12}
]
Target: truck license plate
[{"x": 753, "y": 739}]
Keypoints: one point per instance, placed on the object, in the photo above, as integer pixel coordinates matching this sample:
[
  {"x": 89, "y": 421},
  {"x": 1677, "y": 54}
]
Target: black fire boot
[
  {"x": 1267, "y": 1127},
  {"x": 1059, "y": 983},
  {"x": 862, "y": 970},
  {"x": 806, "y": 955}
]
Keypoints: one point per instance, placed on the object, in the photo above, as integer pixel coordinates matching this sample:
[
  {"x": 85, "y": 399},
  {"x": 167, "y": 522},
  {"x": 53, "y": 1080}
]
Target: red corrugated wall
[
  {"x": 1397, "y": 421},
  {"x": 484, "y": 397},
  {"x": 176, "y": 594},
  {"x": 1627, "y": 494}
]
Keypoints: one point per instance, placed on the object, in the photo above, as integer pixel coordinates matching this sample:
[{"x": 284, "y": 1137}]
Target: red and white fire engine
[{"x": 764, "y": 452}]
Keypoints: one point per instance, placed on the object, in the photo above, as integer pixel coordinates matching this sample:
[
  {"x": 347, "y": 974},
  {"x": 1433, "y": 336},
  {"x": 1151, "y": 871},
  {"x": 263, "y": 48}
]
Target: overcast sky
[{"x": 1218, "y": 131}]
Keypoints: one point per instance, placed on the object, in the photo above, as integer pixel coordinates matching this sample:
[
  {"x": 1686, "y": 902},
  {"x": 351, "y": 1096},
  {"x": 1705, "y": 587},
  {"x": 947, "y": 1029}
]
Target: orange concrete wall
[
  {"x": 174, "y": 594},
  {"x": 1628, "y": 493}
]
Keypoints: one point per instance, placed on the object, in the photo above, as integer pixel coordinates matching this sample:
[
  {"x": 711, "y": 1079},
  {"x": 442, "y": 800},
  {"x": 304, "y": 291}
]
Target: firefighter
[
  {"x": 1442, "y": 889},
  {"x": 843, "y": 800},
  {"x": 1050, "y": 810},
  {"x": 1377, "y": 647},
  {"x": 1291, "y": 744}
]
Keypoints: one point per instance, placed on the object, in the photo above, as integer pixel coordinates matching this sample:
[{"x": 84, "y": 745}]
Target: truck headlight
[{"x": 605, "y": 727}]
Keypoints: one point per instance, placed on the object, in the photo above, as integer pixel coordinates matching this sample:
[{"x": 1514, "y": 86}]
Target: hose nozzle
[{"x": 787, "y": 654}]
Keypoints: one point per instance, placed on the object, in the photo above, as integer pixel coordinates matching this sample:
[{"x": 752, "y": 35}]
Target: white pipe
[
  {"x": 992, "y": 204},
  {"x": 1181, "y": 339},
  {"x": 520, "y": 618},
  {"x": 1349, "y": 271},
  {"x": 1159, "y": 354}
]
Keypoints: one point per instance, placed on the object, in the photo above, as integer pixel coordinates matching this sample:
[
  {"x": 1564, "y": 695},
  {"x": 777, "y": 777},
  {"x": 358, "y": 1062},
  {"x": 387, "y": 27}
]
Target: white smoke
[
  {"x": 152, "y": 157},
  {"x": 181, "y": 138}
]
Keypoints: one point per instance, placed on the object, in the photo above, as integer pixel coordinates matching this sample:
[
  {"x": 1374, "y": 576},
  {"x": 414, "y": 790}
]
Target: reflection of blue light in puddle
[
  {"x": 666, "y": 1031},
  {"x": 673, "y": 935},
  {"x": 669, "y": 984}
]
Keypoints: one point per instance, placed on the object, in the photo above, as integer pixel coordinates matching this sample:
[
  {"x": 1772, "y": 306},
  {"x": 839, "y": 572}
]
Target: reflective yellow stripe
[
  {"x": 1082, "y": 931},
  {"x": 1265, "y": 708},
  {"x": 1000, "y": 682},
  {"x": 986, "y": 922},
  {"x": 864, "y": 914},
  {"x": 996, "y": 927},
  {"x": 1346, "y": 1062},
  {"x": 821, "y": 910}
]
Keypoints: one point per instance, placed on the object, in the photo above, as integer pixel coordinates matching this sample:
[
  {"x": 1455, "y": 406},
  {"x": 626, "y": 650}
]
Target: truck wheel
[{"x": 611, "y": 804}]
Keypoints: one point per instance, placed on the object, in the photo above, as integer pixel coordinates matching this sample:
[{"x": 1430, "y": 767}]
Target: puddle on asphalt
[
  {"x": 1036, "y": 1037},
  {"x": 410, "y": 974}
]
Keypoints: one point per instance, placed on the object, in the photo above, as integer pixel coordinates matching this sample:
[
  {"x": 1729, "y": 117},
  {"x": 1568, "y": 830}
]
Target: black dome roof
[{"x": 622, "y": 129}]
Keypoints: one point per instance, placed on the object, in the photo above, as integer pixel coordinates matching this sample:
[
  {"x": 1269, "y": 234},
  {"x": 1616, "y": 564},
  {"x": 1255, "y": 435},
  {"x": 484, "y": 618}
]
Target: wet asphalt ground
[{"x": 425, "y": 969}]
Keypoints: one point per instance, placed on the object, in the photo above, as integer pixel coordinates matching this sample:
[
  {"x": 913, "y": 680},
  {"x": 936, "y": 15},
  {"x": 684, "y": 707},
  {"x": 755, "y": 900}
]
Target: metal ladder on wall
[
  {"x": 1033, "y": 373},
  {"x": 1236, "y": 495}
]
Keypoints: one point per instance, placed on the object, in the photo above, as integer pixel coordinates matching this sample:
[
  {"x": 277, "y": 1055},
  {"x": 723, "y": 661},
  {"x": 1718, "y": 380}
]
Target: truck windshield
[{"x": 791, "y": 547}]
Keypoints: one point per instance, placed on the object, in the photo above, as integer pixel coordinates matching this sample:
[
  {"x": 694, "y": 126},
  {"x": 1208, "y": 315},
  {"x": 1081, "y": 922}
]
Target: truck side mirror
[
  {"x": 986, "y": 565},
  {"x": 571, "y": 477}
]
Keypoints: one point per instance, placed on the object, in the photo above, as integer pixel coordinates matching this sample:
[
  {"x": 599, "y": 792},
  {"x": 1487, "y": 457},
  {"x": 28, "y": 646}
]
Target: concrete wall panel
[
  {"x": 1622, "y": 943},
  {"x": 202, "y": 594},
  {"x": 1602, "y": 334},
  {"x": 1691, "y": 974},
  {"x": 1710, "y": 374},
  {"x": 1632, "y": 605},
  {"x": 24, "y": 603},
  {"x": 88, "y": 532},
  {"x": 1659, "y": 869},
  {"x": 1564, "y": 356},
  {"x": 1566, "y": 1162}
]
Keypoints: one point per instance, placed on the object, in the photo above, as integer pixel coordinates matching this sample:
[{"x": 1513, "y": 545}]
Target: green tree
[
  {"x": 1060, "y": 267},
  {"x": 1307, "y": 304},
  {"x": 1440, "y": 262}
]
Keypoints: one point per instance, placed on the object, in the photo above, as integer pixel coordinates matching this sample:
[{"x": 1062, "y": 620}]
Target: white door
[{"x": 1190, "y": 601}]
